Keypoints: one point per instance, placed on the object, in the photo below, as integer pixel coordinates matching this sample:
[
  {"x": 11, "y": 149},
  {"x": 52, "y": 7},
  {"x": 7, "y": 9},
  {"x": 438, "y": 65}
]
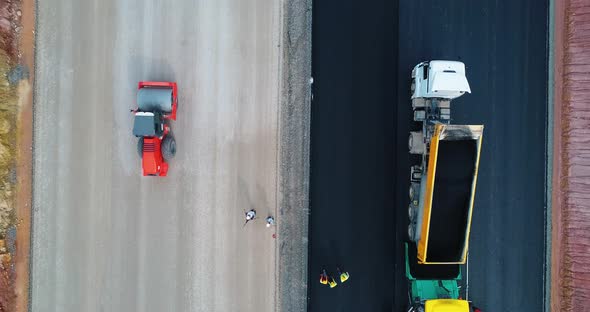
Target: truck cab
[{"x": 439, "y": 79}]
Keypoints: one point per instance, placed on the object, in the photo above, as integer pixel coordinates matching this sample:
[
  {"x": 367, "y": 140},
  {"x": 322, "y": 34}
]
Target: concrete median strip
[{"x": 294, "y": 135}]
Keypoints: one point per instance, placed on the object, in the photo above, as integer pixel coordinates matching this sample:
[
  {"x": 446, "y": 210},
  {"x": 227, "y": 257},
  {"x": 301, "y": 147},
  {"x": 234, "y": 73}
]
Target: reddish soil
[
  {"x": 570, "y": 259},
  {"x": 7, "y": 295},
  {"x": 9, "y": 23}
]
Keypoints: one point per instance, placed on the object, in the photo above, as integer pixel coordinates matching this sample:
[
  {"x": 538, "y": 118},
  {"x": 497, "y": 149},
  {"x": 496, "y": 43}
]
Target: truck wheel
[
  {"x": 411, "y": 233},
  {"x": 412, "y": 212},
  {"x": 140, "y": 147},
  {"x": 416, "y": 144},
  {"x": 168, "y": 147},
  {"x": 416, "y": 308},
  {"x": 414, "y": 191}
]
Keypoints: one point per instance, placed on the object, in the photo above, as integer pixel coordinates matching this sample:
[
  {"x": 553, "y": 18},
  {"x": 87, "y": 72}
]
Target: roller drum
[{"x": 154, "y": 99}]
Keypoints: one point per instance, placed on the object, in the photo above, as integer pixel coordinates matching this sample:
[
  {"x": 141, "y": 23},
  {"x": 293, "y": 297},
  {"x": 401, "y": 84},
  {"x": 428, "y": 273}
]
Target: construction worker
[
  {"x": 332, "y": 282},
  {"x": 323, "y": 277},
  {"x": 343, "y": 275},
  {"x": 250, "y": 215},
  {"x": 270, "y": 221}
]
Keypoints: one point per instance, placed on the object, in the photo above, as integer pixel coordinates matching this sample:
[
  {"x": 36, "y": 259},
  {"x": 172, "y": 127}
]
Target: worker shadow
[
  {"x": 263, "y": 201},
  {"x": 256, "y": 200},
  {"x": 336, "y": 252},
  {"x": 244, "y": 199},
  {"x": 331, "y": 255}
]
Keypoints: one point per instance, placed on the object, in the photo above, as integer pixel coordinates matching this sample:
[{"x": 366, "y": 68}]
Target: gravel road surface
[{"x": 107, "y": 239}]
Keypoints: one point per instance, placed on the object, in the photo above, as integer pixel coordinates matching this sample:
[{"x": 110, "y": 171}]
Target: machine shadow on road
[{"x": 141, "y": 68}]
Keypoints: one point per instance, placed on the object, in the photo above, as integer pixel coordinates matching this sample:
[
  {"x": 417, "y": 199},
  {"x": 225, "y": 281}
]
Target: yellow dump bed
[{"x": 451, "y": 178}]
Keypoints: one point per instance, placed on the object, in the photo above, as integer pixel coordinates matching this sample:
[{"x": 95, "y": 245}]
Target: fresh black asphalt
[{"x": 363, "y": 52}]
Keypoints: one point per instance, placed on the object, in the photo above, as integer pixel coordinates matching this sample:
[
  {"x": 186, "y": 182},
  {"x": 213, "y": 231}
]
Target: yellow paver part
[{"x": 446, "y": 305}]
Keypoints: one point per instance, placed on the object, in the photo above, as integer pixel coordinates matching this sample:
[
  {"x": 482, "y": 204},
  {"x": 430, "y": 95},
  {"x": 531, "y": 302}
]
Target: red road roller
[{"x": 156, "y": 105}]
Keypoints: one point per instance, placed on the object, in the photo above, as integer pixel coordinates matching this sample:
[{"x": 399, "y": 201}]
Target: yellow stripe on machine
[{"x": 423, "y": 243}]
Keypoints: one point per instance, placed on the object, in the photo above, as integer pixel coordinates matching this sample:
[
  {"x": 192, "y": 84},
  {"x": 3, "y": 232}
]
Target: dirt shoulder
[
  {"x": 24, "y": 156},
  {"x": 17, "y": 22},
  {"x": 570, "y": 264}
]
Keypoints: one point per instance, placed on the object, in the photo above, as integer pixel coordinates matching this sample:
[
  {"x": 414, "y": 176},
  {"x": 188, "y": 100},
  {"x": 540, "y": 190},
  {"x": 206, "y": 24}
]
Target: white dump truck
[{"x": 442, "y": 188}]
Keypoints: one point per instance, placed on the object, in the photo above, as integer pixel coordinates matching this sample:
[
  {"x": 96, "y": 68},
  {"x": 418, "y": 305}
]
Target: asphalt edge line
[{"x": 294, "y": 153}]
